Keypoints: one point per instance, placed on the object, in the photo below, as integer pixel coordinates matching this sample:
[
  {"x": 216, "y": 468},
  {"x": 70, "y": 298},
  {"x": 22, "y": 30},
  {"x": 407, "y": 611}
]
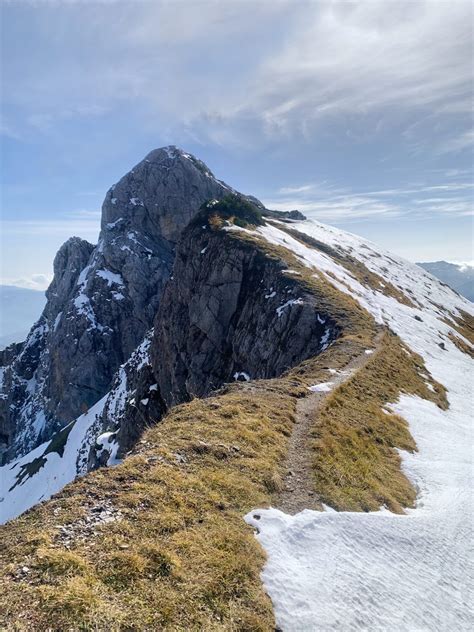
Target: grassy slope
[
  {"x": 179, "y": 555},
  {"x": 356, "y": 467}
]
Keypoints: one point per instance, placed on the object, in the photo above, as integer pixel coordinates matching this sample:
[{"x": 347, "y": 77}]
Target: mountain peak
[
  {"x": 172, "y": 154},
  {"x": 163, "y": 190}
]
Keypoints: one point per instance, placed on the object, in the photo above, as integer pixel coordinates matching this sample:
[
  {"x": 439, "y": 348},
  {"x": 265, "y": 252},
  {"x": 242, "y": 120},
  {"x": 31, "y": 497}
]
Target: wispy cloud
[
  {"x": 38, "y": 282},
  {"x": 303, "y": 64},
  {"x": 86, "y": 228},
  {"x": 381, "y": 204},
  {"x": 458, "y": 143},
  {"x": 341, "y": 209},
  {"x": 85, "y": 214},
  {"x": 302, "y": 189}
]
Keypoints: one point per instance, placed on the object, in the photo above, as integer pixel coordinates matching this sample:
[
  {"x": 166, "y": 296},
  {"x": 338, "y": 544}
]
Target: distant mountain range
[
  {"x": 19, "y": 309},
  {"x": 459, "y": 276}
]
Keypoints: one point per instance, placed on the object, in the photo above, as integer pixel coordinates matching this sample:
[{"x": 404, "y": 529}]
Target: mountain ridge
[{"x": 257, "y": 316}]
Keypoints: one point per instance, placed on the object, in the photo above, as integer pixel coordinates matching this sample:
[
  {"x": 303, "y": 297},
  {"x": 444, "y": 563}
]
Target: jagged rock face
[
  {"x": 102, "y": 299},
  {"x": 133, "y": 403},
  {"x": 69, "y": 262},
  {"x": 229, "y": 313},
  {"x": 162, "y": 193},
  {"x": 27, "y": 365}
]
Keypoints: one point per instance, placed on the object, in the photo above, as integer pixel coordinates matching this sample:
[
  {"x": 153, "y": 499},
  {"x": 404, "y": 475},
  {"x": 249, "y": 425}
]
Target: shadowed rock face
[
  {"x": 227, "y": 313},
  {"x": 102, "y": 299}
]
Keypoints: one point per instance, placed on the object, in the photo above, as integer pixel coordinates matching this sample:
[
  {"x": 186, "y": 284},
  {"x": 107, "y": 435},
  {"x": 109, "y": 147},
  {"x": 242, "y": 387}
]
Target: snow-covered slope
[
  {"x": 48, "y": 468},
  {"x": 381, "y": 571},
  {"x": 84, "y": 443}
]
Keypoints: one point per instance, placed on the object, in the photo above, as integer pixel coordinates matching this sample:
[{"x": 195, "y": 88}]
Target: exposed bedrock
[{"x": 227, "y": 313}]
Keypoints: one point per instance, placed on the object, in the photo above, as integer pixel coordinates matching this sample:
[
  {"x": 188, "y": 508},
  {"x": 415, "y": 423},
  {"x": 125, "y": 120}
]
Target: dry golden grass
[
  {"x": 464, "y": 325},
  {"x": 190, "y": 561},
  {"x": 356, "y": 465}
]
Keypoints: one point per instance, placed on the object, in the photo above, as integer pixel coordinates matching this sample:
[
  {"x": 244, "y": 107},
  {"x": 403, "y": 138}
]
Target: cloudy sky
[{"x": 357, "y": 113}]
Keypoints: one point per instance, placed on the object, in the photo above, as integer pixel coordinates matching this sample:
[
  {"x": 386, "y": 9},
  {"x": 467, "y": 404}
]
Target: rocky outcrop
[
  {"x": 27, "y": 375},
  {"x": 102, "y": 300},
  {"x": 228, "y": 312},
  {"x": 69, "y": 262}
]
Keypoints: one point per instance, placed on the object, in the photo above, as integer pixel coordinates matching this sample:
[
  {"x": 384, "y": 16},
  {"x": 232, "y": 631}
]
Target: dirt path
[{"x": 298, "y": 492}]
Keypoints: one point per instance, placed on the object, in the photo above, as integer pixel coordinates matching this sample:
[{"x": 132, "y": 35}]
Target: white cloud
[
  {"x": 302, "y": 189},
  {"x": 326, "y": 204},
  {"x": 458, "y": 143},
  {"x": 38, "y": 282},
  {"x": 354, "y": 58},
  {"x": 464, "y": 266},
  {"x": 341, "y": 208}
]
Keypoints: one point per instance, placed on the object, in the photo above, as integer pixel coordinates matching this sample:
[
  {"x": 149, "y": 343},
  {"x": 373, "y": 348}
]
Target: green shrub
[{"x": 236, "y": 209}]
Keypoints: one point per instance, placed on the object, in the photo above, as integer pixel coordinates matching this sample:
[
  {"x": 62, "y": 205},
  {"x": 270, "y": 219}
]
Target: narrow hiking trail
[{"x": 298, "y": 492}]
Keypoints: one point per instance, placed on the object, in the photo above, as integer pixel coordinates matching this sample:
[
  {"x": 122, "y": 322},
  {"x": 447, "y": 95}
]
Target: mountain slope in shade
[
  {"x": 458, "y": 276},
  {"x": 19, "y": 309}
]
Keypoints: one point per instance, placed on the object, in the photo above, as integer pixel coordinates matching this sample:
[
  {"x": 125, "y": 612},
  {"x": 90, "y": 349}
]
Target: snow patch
[
  {"x": 112, "y": 225},
  {"x": 241, "y": 376},
  {"x": 111, "y": 277},
  {"x": 45, "y": 470},
  {"x": 325, "y": 339},
  {"x": 293, "y": 301},
  {"x": 107, "y": 441},
  {"x": 57, "y": 320},
  {"x": 323, "y": 387}
]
